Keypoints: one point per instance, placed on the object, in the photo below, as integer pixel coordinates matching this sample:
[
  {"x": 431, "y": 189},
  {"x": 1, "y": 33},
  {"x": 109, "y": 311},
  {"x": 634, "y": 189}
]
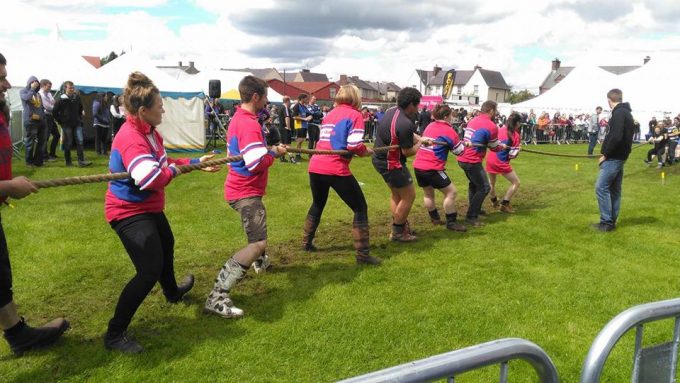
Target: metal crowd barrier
[
  {"x": 553, "y": 133},
  {"x": 450, "y": 364},
  {"x": 655, "y": 363}
]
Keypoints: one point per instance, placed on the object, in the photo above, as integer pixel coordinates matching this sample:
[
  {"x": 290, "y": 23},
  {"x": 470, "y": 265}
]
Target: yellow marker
[
  {"x": 576, "y": 167},
  {"x": 663, "y": 175}
]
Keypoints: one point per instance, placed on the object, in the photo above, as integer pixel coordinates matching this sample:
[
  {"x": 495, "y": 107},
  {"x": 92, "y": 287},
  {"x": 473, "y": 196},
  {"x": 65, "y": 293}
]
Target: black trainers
[
  {"x": 82, "y": 164},
  {"x": 30, "y": 338},
  {"x": 183, "y": 288},
  {"x": 122, "y": 343},
  {"x": 603, "y": 227}
]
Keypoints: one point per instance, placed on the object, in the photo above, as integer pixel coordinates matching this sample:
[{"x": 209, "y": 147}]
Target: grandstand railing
[
  {"x": 655, "y": 363},
  {"x": 453, "y": 363}
]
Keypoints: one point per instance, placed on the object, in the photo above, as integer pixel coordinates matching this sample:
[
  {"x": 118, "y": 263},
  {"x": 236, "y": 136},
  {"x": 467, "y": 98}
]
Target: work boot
[
  {"x": 435, "y": 218},
  {"x": 122, "y": 343},
  {"x": 360, "y": 233},
  {"x": 261, "y": 264},
  {"x": 22, "y": 337},
  {"x": 451, "y": 223},
  {"x": 218, "y": 301},
  {"x": 494, "y": 202},
  {"x": 401, "y": 234},
  {"x": 507, "y": 208},
  {"x": 182, "y": 289},
  {"x": 311, "y": 223}
]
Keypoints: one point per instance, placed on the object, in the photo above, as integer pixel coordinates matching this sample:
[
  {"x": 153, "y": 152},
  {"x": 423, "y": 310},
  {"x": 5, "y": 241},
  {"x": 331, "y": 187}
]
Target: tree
[
  {"x": 112, "y": 56},
  {"x": 519, "y": 96}
]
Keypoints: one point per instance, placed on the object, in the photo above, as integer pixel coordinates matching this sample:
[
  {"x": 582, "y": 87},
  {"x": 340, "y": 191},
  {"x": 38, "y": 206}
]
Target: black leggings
[
  {"x": 347, "y": 188},
  {"x": 5, "y": 271},
  {"x": 149, "y": 242},
  {"x": 658, "y": 152}
]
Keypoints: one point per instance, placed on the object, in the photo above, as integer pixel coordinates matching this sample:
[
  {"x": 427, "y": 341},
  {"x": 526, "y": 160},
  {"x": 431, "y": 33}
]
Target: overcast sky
[{"x": 377, "y": 40}]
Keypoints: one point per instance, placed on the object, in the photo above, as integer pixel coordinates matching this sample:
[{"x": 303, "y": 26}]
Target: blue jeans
[
  {"x": 608, "y": 190},
  {"x": 592, "y": 143},
  {"x": 478, "y": 187}
]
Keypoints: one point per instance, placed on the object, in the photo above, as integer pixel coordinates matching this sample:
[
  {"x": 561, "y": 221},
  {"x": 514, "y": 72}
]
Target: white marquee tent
[
  {"x": 183, "y": 122},
  {"x": 652, "y": 90}
]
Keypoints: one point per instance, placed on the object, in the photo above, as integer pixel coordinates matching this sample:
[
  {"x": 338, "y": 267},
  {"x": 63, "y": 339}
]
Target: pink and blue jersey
[
  {"x": 499, "y": 162},
  {"x": 247, "y": 177},
  {"x": 341, "y": 129},
  {"x": 138, "y": 149},
  {"x": 434, "y": 157},
  {"x": 479, "y": 131}
]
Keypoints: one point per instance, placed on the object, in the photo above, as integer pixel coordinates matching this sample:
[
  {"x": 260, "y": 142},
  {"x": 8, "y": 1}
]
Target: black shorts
[
  {"x": 397, "y": 178},
  {"x": 437, "y": 179},
  {"x": 285, "y": 136},
  {"x": 301, "y": 133}
]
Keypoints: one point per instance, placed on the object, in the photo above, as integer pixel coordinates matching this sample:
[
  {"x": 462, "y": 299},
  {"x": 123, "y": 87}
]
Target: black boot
[
  {"x": 311, "y": 223},
  {"x": 22, "y": 337},
  {"x": 360, "y": 233},
  {"x": 121, "y": 342},
  {"x": 182, "y": 289}
]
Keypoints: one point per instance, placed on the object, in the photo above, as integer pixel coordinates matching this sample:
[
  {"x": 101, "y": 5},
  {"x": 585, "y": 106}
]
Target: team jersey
[
  {"x": 247, "y": 177},
  {"x": 300, "y": 110},
  {"x": 479, "y": 131},
  {"x": 434, "y": 157},
  {"x": 394, "y": 129},
  {"x": 499, "y": 162},
  {"x": 341, "y": 129},
  {"x": 138, "y": 149},
  {"x": 5, "y": 151}
]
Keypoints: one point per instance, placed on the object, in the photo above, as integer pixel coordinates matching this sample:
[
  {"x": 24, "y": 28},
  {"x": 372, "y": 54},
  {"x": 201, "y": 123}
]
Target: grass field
[{"x": 541, "y": 274}]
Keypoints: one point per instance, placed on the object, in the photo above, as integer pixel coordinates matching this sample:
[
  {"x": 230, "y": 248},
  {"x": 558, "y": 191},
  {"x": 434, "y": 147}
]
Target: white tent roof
[
  {"x": 582, "y": 90},
  {"x": 53, "y": 62},
  {"x": 228, "y": 80},
  {"x": 113, "y": 76},
  {"x": 652, "y": 89}
]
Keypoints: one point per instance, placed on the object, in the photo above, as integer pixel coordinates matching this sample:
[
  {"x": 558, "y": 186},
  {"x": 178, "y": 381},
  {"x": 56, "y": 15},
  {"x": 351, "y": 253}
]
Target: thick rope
[
  {"x": 524, "y": 149},
  {"x": 79, "y": 180}
]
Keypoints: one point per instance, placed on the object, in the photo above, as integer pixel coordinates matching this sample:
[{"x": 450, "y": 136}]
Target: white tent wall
[
  {"x": 652, "y": 89},
  {"x": 228, "y": 80},
  {"x": 183, "y": 129},
  {"x": 183, "y": 121}
]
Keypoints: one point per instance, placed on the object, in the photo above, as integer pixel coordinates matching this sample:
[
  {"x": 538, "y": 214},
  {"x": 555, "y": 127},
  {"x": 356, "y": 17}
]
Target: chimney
[
  {"x": 436, "y": 70},
  {"x": 556, "y": 64},
  {"x": 343, "y": 79},
  {"x": 305, "y": 71},
  {"x": 180, "y": 64},
  {"x": 477, "y": 67},
  {"x": 646, "y": 60},
  {"x": 191, "y": 64}
]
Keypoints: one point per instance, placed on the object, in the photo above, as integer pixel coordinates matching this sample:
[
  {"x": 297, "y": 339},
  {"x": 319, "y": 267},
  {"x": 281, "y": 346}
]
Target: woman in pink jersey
[
  {"x": 430, "y": 167},
  {"x": 341, "y": 129},
  {"x": 134, "y": 208},
  {"x": 499, "y": 162}
]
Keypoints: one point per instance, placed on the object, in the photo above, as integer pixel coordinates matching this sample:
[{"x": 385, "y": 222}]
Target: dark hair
[
  {"x": 408, "y": 96},
  {"x": 3, "y": 60},
  {"x": 615, "y": 95},
  {"x": 489, "y": 105},
  {"x": 44, "y": 82},
  {"x": 514, "y": 119},
  {"x": 139, "y": 92},
  {"x": 441, "y": 111},
  {"x": 302, "y": 96},
  {"x": 251, "y": 85}
]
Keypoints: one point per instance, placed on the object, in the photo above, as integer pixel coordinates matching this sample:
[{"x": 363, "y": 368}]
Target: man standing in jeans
[
  {"x": 593, "y": 130},
  {"x": 34, "y": 122},
  {"x": 68, "y": 111},
  {"x": 481, "y": 132},
  {"x": 615, "y": 150}
]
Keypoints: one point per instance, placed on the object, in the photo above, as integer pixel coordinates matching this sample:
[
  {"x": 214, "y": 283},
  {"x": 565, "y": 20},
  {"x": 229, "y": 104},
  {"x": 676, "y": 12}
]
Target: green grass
[{"x": 541, "y": 274}]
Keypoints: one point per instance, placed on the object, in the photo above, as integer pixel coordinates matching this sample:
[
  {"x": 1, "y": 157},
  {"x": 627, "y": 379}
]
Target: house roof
[
  {"x": 313, "y": 77},
  {"x": 94, "y": 61},
  {"x": 392, "y": 87},
  {"x": 493, "y": 79},
  {"x": 311, "y": 87},
  {"x": 289, "y": 77}
]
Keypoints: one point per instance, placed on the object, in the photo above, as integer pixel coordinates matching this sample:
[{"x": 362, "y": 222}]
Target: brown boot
[
  {"x": 494, "y": 202},
  {"x": 507, "y": 208},
  {"x": 360, "y": 233},
  {"x": 402, "y": 234},
  {"x": 311, "y": 223}
]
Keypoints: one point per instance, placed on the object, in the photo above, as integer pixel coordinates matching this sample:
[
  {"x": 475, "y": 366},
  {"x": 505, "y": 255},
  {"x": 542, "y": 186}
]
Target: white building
[{"x": 474, "y": 86}]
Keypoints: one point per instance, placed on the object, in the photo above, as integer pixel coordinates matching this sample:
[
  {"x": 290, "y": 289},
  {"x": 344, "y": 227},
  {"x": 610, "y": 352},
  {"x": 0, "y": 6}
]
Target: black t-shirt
[{"x": 395, "y": 128}]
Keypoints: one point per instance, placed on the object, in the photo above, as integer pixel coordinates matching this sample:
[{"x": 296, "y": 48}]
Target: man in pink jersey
[
  {"x": 245, "y": 185},
  {"x": 430, "y": 167}
]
